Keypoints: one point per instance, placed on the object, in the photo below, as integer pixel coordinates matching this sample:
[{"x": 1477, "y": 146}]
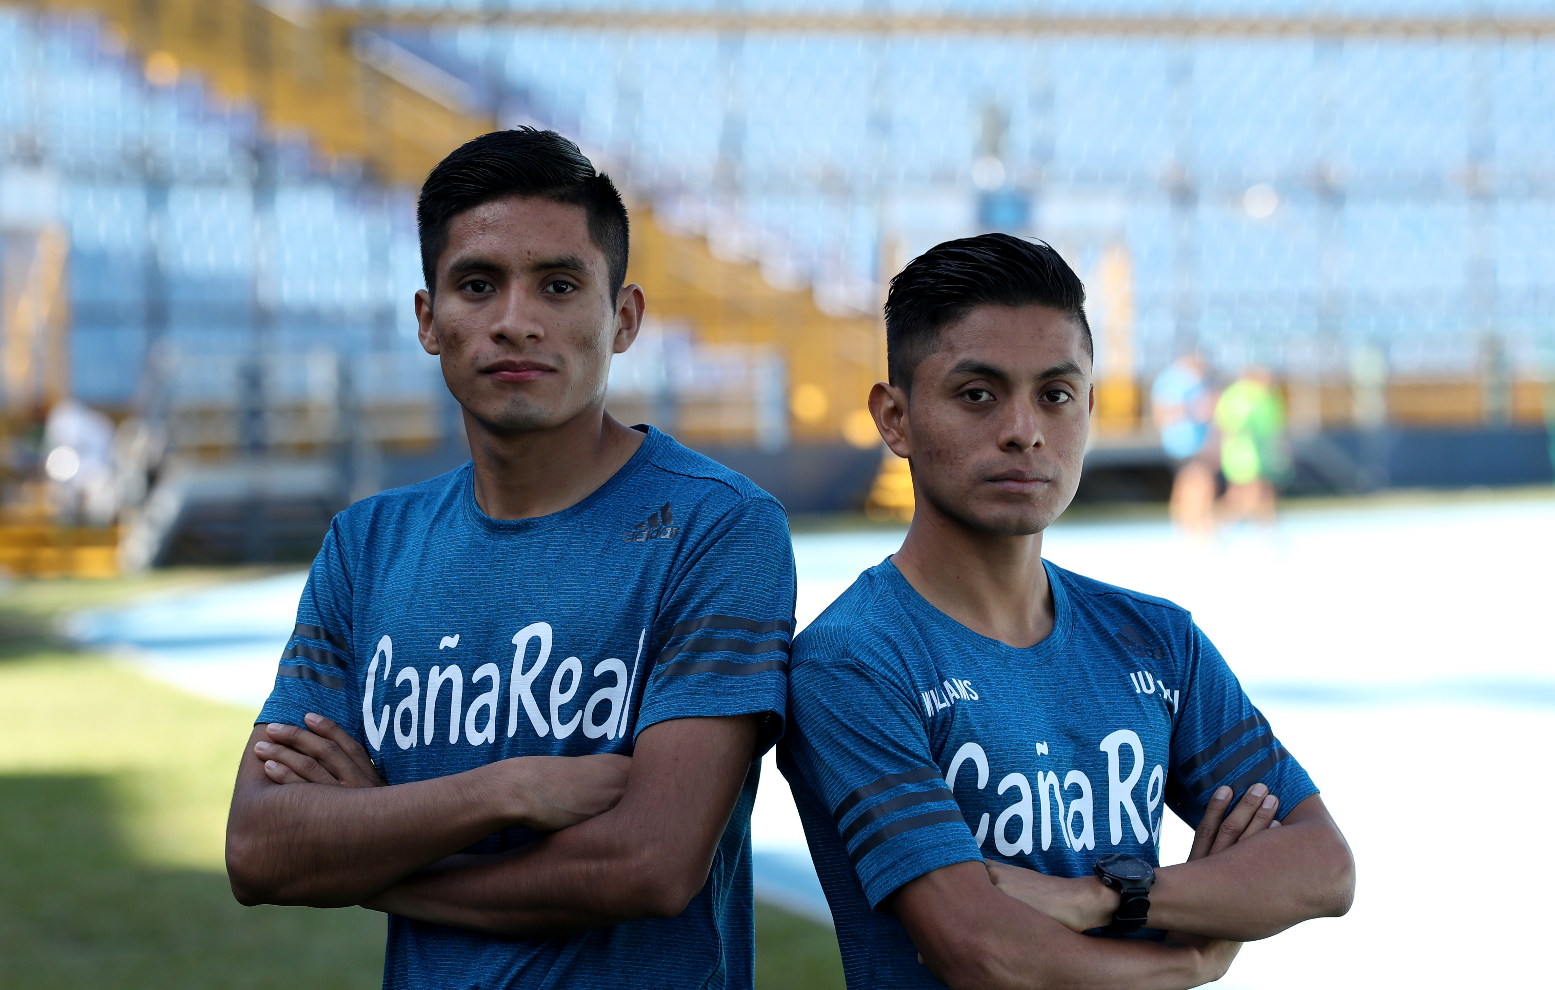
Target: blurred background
[{"x": 1315, "y": 237}]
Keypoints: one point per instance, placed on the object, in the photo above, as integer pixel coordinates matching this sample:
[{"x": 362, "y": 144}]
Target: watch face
[{"x": 1126, "y": 867}]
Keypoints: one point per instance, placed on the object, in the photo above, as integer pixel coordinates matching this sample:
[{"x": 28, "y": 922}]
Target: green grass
[{"x": 113, "y": 803}]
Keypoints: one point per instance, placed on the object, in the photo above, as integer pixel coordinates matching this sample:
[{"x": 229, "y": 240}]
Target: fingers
[
  {"x": 1209, "y": 825},
  {"x": 1263, "y": 818},
  {"x": 347, "y": 744},
  {"x": 1239, "y": 820},
  {"x": 330, "y": 763},
  {"x": 281, "y": 773},
  {"x": 299, "y": 767}
]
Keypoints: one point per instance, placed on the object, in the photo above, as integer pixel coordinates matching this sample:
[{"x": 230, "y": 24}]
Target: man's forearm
[
  {"x": 645, "y": 858},
  {"x": 1262, "y": 885},
  {"x": 329, "y": 846},
  {"x": 971, "y": 935},
  {"x": 568, "y": 882}
]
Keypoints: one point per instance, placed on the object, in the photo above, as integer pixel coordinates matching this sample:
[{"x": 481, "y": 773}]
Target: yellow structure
[
  {"x": 1117, "y": 391},
  {"x": 41, "y": 550},
  {"x": 33, "y": 315}
]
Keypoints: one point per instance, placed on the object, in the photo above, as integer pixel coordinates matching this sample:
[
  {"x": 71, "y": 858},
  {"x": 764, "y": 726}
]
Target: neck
[
  {"x": 994, "y": 585},
  {"x": 535, "y": 473}
]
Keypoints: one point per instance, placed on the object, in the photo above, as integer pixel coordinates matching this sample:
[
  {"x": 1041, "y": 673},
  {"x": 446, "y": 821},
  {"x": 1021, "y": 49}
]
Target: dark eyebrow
[
  {"x": 981, "y": 369},
  {"x": 564, "y": 263},
  {"x": 1064, "y": 370},
  {"x": 461, "y": 267}
]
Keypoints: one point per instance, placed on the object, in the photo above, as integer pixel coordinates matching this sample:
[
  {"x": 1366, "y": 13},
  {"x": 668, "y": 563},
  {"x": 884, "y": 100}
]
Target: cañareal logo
[{"x": 659, "y": 526}]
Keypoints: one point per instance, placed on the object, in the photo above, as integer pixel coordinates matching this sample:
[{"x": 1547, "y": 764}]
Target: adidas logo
[
  {"x": 1136, "y": 645},
  {"x": 658, "y": 526}
]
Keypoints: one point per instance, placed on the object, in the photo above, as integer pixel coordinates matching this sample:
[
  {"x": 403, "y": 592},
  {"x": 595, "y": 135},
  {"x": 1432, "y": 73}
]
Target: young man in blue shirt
[
  {"x": 524, "y": 703},
  {"x": 981, "y": 744}
]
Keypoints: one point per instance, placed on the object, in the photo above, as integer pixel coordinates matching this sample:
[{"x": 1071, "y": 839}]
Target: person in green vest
[{"x": 1250, "y": 417}]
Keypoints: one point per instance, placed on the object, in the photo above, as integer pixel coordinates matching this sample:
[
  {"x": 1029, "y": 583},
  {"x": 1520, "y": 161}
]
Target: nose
[
  {"x": 516, "y": 318},
  {"x": 1020, "y": 429}
]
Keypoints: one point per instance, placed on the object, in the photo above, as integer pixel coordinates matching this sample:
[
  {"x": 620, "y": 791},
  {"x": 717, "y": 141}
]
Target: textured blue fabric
[
  {"x": 667, "y": 593},
  {"x": 914, "y": 743}
]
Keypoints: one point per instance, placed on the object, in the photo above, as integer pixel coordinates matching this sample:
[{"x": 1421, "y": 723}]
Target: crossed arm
[
  {"x": 312, "y": 823},
  {"x": 1248, "y": 876}
]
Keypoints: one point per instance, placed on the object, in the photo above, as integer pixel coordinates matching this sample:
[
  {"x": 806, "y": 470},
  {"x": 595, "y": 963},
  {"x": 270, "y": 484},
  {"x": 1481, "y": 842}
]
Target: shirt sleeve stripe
[
  {"x": 1187, "y": 768},
  {"x": 884, "y": 808},
  {"x": 730, "y": 622},
  {"x": 309, "y": 674},
  {"x": 1236, "y": 758},
  {"x": 1249, "y": 778},
  {"x": 880, "y": 786},
  {"x": 905, "y": 825},
  {"x": 722, "y": 667},
  {"x": 319, "y": 632},
  {"x": 318, "y": 656},
  {"x": 723, "y": 646}
]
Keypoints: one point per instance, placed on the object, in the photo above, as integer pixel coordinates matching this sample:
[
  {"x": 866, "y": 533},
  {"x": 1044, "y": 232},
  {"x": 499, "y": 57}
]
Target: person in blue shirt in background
[
  {"x": 1182, "y": 403},
  {"x": 981, "y": 744},
  {"x": 524, "y": 704}
]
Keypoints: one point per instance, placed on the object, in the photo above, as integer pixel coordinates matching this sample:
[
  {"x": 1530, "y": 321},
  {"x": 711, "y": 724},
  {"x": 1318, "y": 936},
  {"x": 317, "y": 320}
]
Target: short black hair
[
  {"x": 521, "y": 162},
  {"x": 946, "y": 282}
]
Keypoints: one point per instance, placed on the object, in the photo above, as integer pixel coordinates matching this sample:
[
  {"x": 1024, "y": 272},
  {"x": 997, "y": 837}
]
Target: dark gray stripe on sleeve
[
  {"x": 880, "y": 786},
  {"x": 1236, "y": 758},
  {"x": 722, "y": 667},
  {"x": 309, "y": 674},
  {"x": 1248, "y": 778},
  {"x": 314, "y": 653},
  {"x": 744, "y": 646},
  {"x": 1258, "y": 769},
  {"x": 730, "y": 622},
  {"x": 884, "y": 808},
  {"x": 905, "y": 825},
  {"x": 319, "y": 632},
  {"x": 1210, "y": 753}
]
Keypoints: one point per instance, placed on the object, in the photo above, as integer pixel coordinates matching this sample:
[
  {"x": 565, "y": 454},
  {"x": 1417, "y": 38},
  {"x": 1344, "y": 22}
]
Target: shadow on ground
[{"x": 76, "y": 910}]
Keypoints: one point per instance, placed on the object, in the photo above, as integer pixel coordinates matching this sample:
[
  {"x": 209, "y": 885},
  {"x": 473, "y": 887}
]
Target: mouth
[
  {"x": 1020, "y": 482},
  {"x": 509, "y": 370}
]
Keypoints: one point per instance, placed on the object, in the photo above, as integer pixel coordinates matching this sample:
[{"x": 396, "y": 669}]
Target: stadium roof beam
[{"x": 1402, "y": 28}]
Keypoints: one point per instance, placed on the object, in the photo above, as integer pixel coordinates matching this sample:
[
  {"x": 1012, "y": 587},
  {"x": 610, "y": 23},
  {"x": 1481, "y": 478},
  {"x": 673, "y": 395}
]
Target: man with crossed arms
[
  {"x": 982, "y": 744},
  {"x": 523, "y": 707}
]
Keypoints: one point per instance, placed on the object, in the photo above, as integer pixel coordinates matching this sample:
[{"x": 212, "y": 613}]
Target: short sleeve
[
  {"x": 861, "y": 747},
  {"x": 316, "y": 669},
  {"x": 726, "y": 624},
  {"x": 1221, "y": 739}
]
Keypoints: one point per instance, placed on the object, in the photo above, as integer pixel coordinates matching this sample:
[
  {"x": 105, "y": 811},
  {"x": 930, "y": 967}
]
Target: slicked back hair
[
  {"x": 521, "y": 162},
  {"x": 949, "y": 280}
]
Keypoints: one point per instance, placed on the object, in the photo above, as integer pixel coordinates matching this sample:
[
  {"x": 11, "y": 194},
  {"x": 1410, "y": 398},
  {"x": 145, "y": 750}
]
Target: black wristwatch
[{"x": 1131, "y": 877}]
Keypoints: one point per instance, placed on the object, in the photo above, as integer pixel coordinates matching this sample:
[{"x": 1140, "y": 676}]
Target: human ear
[
  {"x": 888, "y": 406},
  {"x": 424, "y": 330},
  {"x": 630, "y": 304}
]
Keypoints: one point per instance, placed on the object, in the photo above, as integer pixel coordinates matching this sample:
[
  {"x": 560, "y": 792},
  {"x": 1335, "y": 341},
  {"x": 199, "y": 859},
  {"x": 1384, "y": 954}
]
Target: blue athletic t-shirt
[
  {"x": 915, "y": 743},
  {"x": 444, "y": 639}
]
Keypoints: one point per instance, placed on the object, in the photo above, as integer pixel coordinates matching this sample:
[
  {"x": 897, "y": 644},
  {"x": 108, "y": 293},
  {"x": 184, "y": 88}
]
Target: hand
[
  {"x": 326, "y": 755},
  {"x": 1218, "y": 830},
  {"x": 558, "y": 791},
  {"x": 1077, "y": 903}
]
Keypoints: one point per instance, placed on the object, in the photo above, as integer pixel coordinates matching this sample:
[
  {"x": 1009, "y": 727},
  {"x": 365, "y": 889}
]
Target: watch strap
[{"x": 1133, "y": 910}]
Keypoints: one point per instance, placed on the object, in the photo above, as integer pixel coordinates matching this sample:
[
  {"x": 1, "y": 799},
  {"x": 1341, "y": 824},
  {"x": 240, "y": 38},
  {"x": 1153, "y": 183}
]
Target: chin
[
  {"x": 520, "y": 419},
  {"x": 995, "y": 519}
]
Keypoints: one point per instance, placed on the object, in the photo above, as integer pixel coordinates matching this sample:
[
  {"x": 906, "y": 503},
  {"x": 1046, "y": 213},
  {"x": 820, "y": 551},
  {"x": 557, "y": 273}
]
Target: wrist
[
  {"x": 1103, "y": 904},
  {"x": 509, "y": 790}
]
